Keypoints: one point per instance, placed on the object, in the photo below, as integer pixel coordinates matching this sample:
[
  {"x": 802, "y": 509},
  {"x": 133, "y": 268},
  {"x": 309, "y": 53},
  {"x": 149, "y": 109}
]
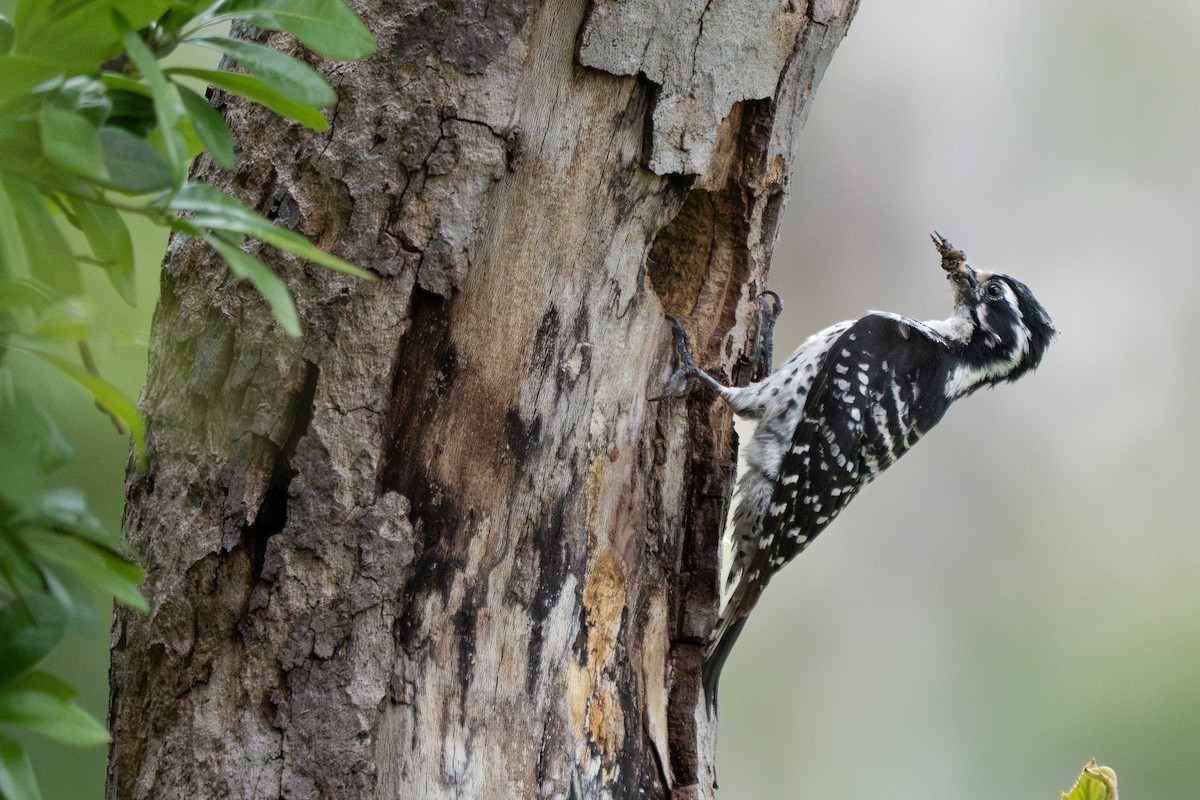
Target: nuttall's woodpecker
[{"x": 851, "y": 400}]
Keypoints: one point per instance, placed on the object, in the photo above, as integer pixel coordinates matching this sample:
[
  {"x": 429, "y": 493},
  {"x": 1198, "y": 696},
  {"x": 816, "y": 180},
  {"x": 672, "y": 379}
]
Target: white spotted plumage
[{"x": 776, "y": 402}]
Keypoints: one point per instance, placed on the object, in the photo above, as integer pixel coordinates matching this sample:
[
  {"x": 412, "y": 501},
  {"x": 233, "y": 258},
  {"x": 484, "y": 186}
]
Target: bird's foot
[
  {"x": 769, "y": 308},
  {"x": 687, "y": 369}
]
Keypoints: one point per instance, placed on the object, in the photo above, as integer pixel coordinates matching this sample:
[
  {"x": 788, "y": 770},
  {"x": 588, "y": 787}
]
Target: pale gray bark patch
[
  {"x": 704, "y": 55},
  {"x": 459, "y": 171}
]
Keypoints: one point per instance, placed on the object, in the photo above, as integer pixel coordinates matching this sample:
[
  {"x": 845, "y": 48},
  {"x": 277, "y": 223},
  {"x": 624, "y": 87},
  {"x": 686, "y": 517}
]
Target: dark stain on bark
[
  {"x": 446, "y": 362},
  {"x": 549, "y": 541},
  {"x": 415, "y": 31},
  {"x": 624, "y": 202},
  {"x": 514, "y": 147},
  {"x": 469, "y": 34},
  {"x": 285, "y": 210},
  {"x": 771, "y": 214},
  {"x": 577, "y": 352},
  {"x": 636, "y": 107},
  {"x": 465, "y": 622},
  {"x": 637, "y": 762},
  {"x": 481, "y": 30},
  {"x": 545, "y": 341},
  {"x": 524, "y": 441},
  {"x": 272, "y": 514},
  {"x": 438, "y": 521},
  {"x": 681, "y": 725},
  {"x": 427, "y": 366}
]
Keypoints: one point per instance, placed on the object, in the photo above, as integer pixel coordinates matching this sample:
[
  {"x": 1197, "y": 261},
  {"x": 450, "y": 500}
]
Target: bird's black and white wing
[{"x": 880, "y": 387}]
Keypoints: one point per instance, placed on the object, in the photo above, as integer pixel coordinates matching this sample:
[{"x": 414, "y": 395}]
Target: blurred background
[{"x": 1022, "y": 591}]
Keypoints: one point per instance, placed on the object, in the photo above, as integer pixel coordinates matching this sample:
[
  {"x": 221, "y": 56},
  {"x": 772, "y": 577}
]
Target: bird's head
[{"x": 1006, "y": 327}]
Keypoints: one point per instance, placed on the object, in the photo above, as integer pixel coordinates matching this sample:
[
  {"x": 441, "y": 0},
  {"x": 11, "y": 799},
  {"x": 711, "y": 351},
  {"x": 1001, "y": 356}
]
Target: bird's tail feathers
[{"x": 725, "y": 634}]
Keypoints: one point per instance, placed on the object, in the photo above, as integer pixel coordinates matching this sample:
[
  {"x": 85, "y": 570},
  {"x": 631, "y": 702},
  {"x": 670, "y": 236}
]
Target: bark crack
[
  {"x": 272, "y": 514},
  {"x": 333, "y": 125}
]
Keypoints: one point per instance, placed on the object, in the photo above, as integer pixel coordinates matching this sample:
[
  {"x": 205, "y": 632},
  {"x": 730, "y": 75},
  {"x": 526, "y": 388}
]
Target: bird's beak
[
  {"x": 964, "y": 278},
  {"x": 961, "y": 274}
]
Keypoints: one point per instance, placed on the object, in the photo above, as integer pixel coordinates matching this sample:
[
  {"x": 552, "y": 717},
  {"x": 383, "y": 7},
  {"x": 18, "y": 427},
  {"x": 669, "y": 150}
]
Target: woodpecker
[{"x": 851, "y": 400}]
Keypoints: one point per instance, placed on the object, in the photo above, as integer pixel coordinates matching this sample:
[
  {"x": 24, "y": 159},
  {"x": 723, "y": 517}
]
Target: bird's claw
[
  {"x": 686, "y": 371},
  {"x": 770, "y": 303},
  {"x": 770, "y": 306},
  {"x": 669, "y": 393}
]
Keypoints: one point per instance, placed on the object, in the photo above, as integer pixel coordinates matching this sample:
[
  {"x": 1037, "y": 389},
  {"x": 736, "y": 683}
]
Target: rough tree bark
[{"x": 443, "y": 545}]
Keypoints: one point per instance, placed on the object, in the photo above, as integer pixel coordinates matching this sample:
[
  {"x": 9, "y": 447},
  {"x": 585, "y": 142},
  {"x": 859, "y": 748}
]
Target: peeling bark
[{"x": 443, "y": 545}]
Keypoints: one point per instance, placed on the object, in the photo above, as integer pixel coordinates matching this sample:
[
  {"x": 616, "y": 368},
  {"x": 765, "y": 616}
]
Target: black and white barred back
[{"x": 851, "y": 400}]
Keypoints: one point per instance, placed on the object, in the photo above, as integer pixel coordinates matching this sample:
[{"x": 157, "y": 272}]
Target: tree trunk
[{"x": 444, "y": 545}]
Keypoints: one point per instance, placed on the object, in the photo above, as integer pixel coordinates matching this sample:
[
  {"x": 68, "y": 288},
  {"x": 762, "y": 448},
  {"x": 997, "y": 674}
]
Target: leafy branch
[{"x": 95, "y": 127}]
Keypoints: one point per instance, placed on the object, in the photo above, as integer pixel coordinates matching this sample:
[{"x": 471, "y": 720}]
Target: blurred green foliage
[{"x": 96, "y": 130}]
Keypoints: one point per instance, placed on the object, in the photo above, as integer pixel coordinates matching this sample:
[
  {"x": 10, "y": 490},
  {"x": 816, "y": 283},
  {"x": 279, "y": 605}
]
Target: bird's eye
[{"x": 994, "y": 290}]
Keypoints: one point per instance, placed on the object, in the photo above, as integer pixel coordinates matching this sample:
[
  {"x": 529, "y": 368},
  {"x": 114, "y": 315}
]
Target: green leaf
[
  {"x": 76, "y": 599},
  {"x": 217, "y": 211},
  {"x": 168, "y": 107},
  {"x": 31, "y": 446},
  {"x": 40, "y": 702},
  {"x": 18, "y": 75},
  {"x": 79, "y": 35},
  {"x": 17, "y": 569},
  {"x": 115, "y": 81},
  {"x": 98, "y": 566},
  {"x": 68, "y": 321},
  {"x": 14, "y": 261},
  {"x": 30, "y": 627},
  {"x": 252, "y": 88},
  {"x": 22, "y": 294},
  {"x": 181, "y": 13},
  {"x": 70, "y": 547},
  {"x": 106, "y": 395},
  {"x": 134, "y": 167},
  {"x": 132, "y": 111},
  {"x": 286, "y": 75},
  {"x": 69, "y": 141},
  {"x": 30, "y": 241},
  {"x": 6, "y": 34},
  {"x": 268, "y": 284},
  {"x": 16, "y": 773},
  {"x": 327, "y": 27},
  {"x": 110, "y": 242},
  {"x": 1095, "y": 783},
  {"x": 20, "y": 144},
  {"x": 88, "y": 97},
  {"x": 67, "y": 510},
  {"x": 209, "y": 126}
]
